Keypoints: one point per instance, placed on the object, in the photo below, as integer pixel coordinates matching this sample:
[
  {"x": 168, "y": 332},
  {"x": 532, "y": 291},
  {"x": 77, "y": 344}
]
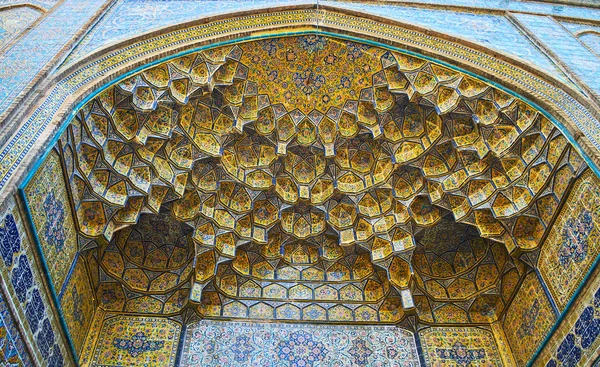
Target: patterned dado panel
[
  {"x": 528, "y": 319},
  {"x": 121, "y": 340},
  {"x": 271, "y": 345},
  {"x": 576, "y": 342},
  {"x": 573, "y": 242},
  {"x": 77, "y": 303},
  {"x": 50, "y": 209},
  {"x": 33, "y": 305},
  {"x": 461, "y": 346}
]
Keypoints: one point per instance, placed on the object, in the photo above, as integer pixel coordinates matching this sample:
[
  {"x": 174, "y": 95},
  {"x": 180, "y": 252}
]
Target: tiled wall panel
[
  {"x": 77, "y": 303},
  {"x": 13, "y": 21},
  {"x": 24, "y": 60},
  {"x": 578, "y": 58},
  {"x": 121, "y": 340},
  {"x": 573, "y": 242},
  {"x": 245, "y": 344},
  {"x": 528, "y": 319},
  {"x": 52, "y": 217},
  {"x": 576, "y": 342},
  {"x": 12, "y": 346},
  {"x": 24, "y": 282},
  {"x": 460, "y": 346}
]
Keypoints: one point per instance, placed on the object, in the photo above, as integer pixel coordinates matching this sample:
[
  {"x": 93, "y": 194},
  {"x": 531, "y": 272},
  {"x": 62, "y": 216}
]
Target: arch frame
[{"x": 47, "y": 117}]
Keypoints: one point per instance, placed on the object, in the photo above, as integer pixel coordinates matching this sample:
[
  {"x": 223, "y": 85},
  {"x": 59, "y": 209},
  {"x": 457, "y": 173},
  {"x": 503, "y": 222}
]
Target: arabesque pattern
[
  {"x": 320, "y": 150},
  {"x": 266, "y": 344}
]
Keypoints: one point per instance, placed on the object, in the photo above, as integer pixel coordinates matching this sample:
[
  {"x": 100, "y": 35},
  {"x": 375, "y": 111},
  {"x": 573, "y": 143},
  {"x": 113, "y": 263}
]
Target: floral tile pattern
[
  {"x": 24, "y": 284},
  {"x": 77, "y": 303},
  {"x": 12, "y": 348},
  {"x": 153, "y": 341},
  {"x": 51, "y": 214},
  {"x": 528, "y": 319},
  {"x": 136, "y": 341},
  {"x": 210, "y": 343},
  {"x": 576, "y": 342},
  {"x": 274, "y": 185},
  {"x": 573, "y": 243},
  {"x": 461, "y": 347}
]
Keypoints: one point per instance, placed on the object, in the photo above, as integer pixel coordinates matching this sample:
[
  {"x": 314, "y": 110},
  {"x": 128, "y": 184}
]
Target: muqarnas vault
[{"x": 305, "y": 200}]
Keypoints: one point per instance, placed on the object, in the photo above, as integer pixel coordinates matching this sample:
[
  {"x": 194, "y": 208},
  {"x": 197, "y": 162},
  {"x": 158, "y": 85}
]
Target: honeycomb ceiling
[{"x": 312, "y": 178}]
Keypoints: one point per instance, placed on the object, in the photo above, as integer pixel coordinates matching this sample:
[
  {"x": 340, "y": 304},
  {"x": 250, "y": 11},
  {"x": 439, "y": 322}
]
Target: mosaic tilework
[
  {"x": 132, "y": 17},
  {"x": 522, "y": 6},
  {"x": 460, "y": 347},
  {"x": 211, "y": 344},
  {"x": 148, "y": 261},
  {"x": 577, "y": 339},
  {"x": 33, "y": 305},
  {"x": 21, "y": 142},
  {"x": 129, "y": 18},
  {"x": 14, "y": 20},
  {"x": 573, "y": 242},
  {"x": 581, "y": 60},
  {"x": 21, "y": 62},
  {"x": 145, "y": 270},
  {"x": 490, "y": 30},
  {"x": 136, "y": 341},
  {"x": 461, "y": 277},
  {"x": 45, "y": 4},
  {"x": 12, "y": 347},
  {"x": 53, "y": 219},
  {"x": 528, "y": 319},
  {"x": 235, "y": 201},
  {"x": 591, "y": 40},
  {"x": 77, "y": 303}
]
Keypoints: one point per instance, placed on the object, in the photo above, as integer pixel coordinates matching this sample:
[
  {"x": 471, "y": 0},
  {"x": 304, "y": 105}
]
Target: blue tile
[
  {"x": 10, "y": 243},
  {"x": 22, "y": 278},
  {"x": 583, "y": 62},
  {"x": 24, "y": 60},
  {"x": 35, "y": 310}
]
